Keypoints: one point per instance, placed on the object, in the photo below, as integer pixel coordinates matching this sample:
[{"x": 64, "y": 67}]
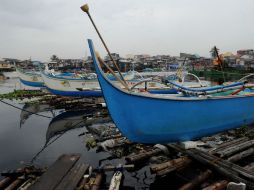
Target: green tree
[{"x": 54, "y": 58}]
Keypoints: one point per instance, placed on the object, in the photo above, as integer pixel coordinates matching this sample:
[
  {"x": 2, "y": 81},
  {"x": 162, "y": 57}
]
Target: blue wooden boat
[
  {"x": 149, "y": 118},
  {"x": 83, "y": 87},
  {"x": 71, "y": 86},
  {"x": 30, "y": 78}
]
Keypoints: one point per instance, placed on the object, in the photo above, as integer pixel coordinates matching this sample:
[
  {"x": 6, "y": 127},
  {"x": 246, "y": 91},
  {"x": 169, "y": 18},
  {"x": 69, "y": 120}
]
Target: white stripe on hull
[
  {"x": 69, "y": 85},
  {"x": 29, "y": 77}
]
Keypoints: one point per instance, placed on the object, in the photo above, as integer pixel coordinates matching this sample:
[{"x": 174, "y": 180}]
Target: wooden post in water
[
  {"x": 220, "y": 185},
  {"x": 15, "y": 183},
  {"x": 97, "y": 182},
  {"x": 170, "y": 166},
  {"x": 196, "y": 181},
  {"x": 4, "y": 182},
  {"x": 143, "y": 155}
]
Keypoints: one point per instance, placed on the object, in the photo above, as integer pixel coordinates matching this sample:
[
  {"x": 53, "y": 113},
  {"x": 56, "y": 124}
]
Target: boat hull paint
[
  {"x": 69, "y": 87},
  {"x": 84, "y": 93},
  {"x": 29, "y": 79},
  {"x": 98, "y": 93},
  {"x": 149, "y": 119},
  {"x": 32, "y": 84}
]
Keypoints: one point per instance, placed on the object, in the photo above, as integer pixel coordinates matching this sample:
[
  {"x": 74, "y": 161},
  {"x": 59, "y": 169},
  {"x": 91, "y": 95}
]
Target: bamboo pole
[
  {"x": 158, "y": 167},
  {"x": 15, "y": 184},
  {"x": 237, "y": 148},
  {"x": 143, "y": 155},
  {"x": 170, "y": 166},
  {"x": 97, "y": 182},
  {"x": 250, "y": 167},
  {"x": 85, "y": 8},
  {"x": 230, "y": 170},
  {"x": 197, "y": 181},
  {"x": 220, "y": 185},
  {"x": 241, "y": 155},
  {"x": 227, "y": 144},
  {"x": 4, "y": 182},
  {"x": 111, "y": 71}
]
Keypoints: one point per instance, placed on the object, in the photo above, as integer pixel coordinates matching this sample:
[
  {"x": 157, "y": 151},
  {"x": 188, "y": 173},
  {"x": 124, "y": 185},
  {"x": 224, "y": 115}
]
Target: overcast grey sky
[{"x": 40, "y": 28}]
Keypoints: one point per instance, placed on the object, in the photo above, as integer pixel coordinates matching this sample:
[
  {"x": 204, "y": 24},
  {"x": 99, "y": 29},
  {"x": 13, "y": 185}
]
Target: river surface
[{"x": 23, "y": 139}]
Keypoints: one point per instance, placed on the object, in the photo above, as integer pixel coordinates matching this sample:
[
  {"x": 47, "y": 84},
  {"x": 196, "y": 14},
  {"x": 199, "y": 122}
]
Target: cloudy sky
[{"x": 40, "y": 28}]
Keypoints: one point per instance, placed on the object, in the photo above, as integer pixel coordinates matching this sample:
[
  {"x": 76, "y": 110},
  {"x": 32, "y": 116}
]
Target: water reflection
[
  {"x": 70, "y": 120},
  {"x": 30, "y": 109}
]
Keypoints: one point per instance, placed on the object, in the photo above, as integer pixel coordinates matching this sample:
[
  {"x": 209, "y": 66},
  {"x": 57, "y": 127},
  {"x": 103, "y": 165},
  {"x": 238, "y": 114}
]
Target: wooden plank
[
  {"x": 70, "y": 181},
  {"x": 54, "y": 175}
]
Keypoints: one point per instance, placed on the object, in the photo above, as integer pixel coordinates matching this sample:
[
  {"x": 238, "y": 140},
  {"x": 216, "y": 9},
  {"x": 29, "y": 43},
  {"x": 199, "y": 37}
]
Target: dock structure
[
  {"x": 65, "y": 173},
  {"x": 214, "y": 163}
]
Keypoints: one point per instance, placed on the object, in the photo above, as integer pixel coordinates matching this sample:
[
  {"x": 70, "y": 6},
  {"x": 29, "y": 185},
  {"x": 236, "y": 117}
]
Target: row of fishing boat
[{"x": 84, "y": 85}]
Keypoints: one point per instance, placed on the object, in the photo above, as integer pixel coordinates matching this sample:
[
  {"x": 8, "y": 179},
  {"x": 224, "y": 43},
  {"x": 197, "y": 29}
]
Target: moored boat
[
  {"x": 89, "y": 86},
  {"x": 30, "y": 78},
  {"x": 149, "y": 118},
  {"x": 67, "y": 86}
]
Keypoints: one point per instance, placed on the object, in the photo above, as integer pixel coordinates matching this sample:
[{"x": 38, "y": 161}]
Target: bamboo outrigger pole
[{"x": 85, "y": 8}]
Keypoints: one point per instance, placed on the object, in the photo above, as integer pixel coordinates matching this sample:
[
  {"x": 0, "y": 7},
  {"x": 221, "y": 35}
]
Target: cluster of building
[
  {"x": 7, "y": 64},
  {"x": 242, "y": 59}
]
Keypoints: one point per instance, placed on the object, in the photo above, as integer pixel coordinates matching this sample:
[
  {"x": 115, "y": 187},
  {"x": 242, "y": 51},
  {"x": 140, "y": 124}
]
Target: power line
[
  {"x": 25, "y": 110},
  {"x": 85, "y": 115}
]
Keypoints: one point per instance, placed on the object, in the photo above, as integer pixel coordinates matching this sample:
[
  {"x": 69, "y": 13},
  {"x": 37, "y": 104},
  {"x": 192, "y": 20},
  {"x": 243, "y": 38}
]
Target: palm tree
[
  {"x": 54, "y": 58},
  {"x": 214, "y": 52}
]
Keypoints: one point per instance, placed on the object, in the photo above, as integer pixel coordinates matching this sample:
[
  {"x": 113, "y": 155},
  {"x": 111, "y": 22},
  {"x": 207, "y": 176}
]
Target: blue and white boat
[
  {"x": 71, "y": 85},
  {"x": 153, "y": 118},
  {"x": 88, "y": 86},
  {"x": 30, "y": 78}
]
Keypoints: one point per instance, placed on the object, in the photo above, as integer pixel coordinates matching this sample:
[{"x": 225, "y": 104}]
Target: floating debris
[
  {"x": 22, "y": 178},
  {"x": 21, "y": 94}
]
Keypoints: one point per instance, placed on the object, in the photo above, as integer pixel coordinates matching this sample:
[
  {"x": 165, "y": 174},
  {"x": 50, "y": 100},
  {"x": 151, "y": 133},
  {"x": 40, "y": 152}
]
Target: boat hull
[
  {"x": 84, "y": 93},
  {"x": 29, "y": 79},
  {"x": 153, "y": 119},
  {"x": 32, "y": 84},
  {"x": 83, "y": 88},
  {"x": 71, "y": 87}
]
